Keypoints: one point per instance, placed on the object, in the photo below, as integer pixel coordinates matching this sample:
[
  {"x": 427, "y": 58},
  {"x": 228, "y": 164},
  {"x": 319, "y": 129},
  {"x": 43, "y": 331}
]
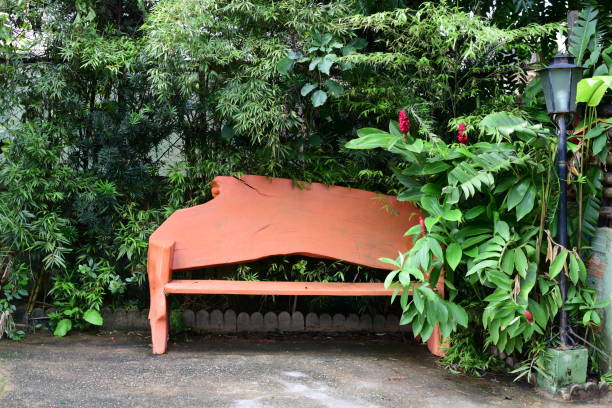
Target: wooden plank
[
  {"x": 229, "y": 287},
  {"x": 256, "y": 217}
]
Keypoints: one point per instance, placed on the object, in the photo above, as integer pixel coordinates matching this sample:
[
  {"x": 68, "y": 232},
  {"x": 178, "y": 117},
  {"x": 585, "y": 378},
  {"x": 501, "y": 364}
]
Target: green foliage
[
  {"x": 465, "y": 62},
  {"x": 112, "y": 116},
  {"x": 607, "y": 377},
  {"x": 583, "y": 36},
  {"x": 13, "y": 284},
  {"x": 227, "y": 54},
  {"x": 486, "y": 204},
  {"x": 321, "y": 54},
  {"x": 79, "y": 295},
  {"x": 592, "y": 90},
  {"x": 466, "y": 357}
]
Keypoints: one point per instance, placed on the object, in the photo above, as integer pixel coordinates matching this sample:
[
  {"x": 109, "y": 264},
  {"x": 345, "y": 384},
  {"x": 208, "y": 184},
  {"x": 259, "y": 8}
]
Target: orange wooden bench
[{"x": 256, "y": 217}]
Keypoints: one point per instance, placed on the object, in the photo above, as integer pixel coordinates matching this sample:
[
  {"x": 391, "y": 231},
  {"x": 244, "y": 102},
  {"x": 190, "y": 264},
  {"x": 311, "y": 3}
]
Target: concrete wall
[{"x": 600, "y": 278}]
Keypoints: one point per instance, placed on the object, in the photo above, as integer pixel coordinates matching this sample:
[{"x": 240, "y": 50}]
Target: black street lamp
[{"x": 559, "y": 81}]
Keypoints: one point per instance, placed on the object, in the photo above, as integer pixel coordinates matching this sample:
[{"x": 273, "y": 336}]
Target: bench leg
[
  {"x": 158, "y": 319},
  {"x": 434, "y": 343},
  {"x": 159, "y": 269}
]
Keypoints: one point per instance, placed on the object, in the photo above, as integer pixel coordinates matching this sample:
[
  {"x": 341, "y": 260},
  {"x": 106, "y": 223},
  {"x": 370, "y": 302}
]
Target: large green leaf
[
  {"x": 372, "y": 141},
  {"x": 505, "y": 124},
  {"x": 582, "y": 37},
  {"x": 62, "y": 328},
  {"x": 93, "y": 316},
  {"x": 592, "y": 90}
]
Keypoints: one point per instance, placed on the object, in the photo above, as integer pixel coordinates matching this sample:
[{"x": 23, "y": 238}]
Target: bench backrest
[{"x": 256, "y": 217}]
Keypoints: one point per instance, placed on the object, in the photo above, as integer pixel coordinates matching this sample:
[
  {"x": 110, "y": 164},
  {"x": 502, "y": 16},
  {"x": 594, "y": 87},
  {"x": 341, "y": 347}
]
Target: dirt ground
[{"x": 118, "y": 370}]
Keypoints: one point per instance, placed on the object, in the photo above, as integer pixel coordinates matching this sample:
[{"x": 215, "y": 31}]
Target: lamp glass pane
[
  {"x": 576, "y": 77},
  {"x": 545, "y": 82},
  {"x": 560, "y": 81}
]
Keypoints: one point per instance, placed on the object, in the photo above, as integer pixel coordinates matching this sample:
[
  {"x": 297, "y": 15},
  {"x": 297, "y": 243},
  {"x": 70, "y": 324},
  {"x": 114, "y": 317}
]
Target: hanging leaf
[
  {"x": 389, "y": 278},
  {"x": 557, "y": 264},
  {"x": 528, "y": 283},
  {"x": 507, "y": 264},
  {"x": 307, "y": 88},
  {"x": 574, "y": 269},
  {"x": 319, "y": 98},
  {"x": 502, "y": 229},
  {"x": 453, "y": 255},
  {"x": 538, "y": 312}
]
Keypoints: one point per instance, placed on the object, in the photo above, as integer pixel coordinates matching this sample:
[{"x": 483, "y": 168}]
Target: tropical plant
[
  {"x": 487, "y": 210},
  {"x": 79, "y": 298}
]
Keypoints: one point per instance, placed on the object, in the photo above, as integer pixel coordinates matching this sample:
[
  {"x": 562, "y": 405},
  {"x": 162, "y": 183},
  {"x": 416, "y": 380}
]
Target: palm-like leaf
[{"x": 582, "y": 37}]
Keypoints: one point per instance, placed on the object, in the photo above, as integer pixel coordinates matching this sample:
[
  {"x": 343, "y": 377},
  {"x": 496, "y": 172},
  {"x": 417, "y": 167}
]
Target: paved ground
[{"x": 117, "y": 370}]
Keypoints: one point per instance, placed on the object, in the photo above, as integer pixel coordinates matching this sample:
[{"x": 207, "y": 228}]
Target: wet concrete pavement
[{"x": 117, "y": 370}]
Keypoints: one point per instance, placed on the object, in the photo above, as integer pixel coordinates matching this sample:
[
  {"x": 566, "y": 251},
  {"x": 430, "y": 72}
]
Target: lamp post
[{"x": 559, "y": 81}]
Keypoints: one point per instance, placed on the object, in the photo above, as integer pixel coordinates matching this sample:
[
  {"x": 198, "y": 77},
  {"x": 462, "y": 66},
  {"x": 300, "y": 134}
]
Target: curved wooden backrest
[{"x": 256, "y": 217}]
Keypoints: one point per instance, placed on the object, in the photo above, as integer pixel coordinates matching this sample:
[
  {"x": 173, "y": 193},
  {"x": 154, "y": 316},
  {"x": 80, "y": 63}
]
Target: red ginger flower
[
  {"x": 422, "y": 224},
  {"x": 461, "y": 136},
  {"x": 529, "y": 316},
  {"x": 404, "y": 122}
]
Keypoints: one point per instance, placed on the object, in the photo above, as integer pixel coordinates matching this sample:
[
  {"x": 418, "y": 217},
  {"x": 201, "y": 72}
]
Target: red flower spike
[
  {"x": 461, "y": 136},
  {"x": 404, "y": 122},
  {"x": 529, "y": 316},
  {"x": 422, "y": 224}
]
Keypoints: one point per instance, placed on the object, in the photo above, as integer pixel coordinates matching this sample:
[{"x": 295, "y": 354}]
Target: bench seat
[{"x": 230, "y": 287}]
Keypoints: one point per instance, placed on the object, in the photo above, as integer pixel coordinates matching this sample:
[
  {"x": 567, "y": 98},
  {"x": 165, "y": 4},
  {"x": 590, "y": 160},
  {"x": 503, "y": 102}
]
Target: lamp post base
[{"x": 562, "y": 369}]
